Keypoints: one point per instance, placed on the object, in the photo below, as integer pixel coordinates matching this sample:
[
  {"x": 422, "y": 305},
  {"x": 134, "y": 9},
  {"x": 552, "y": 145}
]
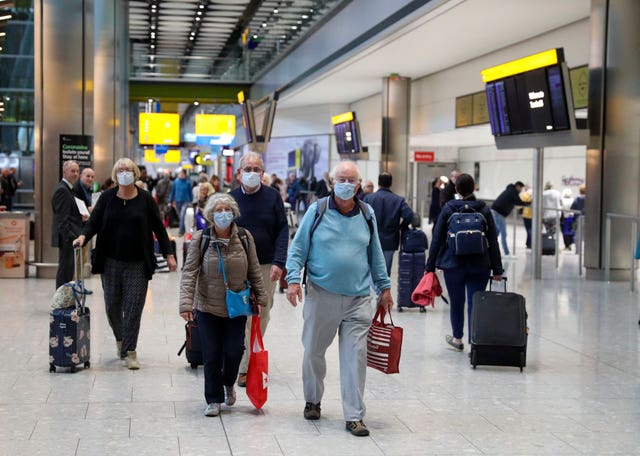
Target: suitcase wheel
[
  {"x": 423, "y": 310},
  {"x": 281, "y": 290},
  {"x": 72, "y": 369},
  {"x": 87, "y": 364},
  {"x": 400, "y": 309},
  {"x": 474, "y": 359},
  {"x": 522, "y": 361},
  {"x": 194, "y": 365},
  {"x": 52, "y": 368}
]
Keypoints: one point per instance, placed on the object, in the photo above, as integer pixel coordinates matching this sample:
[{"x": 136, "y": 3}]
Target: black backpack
[{"x": 466, "y": 232}]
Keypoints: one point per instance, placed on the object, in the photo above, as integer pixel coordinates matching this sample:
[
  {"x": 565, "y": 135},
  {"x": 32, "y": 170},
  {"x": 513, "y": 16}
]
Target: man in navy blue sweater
[
  {"x": 392, "y": 213},
  {"x": 262, "y": 213}
]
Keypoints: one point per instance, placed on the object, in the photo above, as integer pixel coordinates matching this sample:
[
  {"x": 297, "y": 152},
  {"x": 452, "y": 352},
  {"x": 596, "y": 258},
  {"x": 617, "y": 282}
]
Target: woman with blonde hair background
[
  {"x": 202, "y": 289},
  {"x": 125, "y": 219}
]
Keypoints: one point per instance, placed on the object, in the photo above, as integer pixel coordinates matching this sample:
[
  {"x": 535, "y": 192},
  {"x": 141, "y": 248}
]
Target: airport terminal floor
[{"x": 579, "y": 393}]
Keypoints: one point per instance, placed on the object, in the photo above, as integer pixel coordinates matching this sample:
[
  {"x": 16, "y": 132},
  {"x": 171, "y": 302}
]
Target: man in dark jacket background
[
  {"x": 67, "y": 221},
  {"x": 392, "y": 214},
  {"x": 449, "y": 191},
  {"x": 502, "y": 207}
]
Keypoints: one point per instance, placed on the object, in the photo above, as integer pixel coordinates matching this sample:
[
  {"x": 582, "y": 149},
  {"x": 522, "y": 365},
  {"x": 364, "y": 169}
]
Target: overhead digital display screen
[
  {"x": 347, "y": 133},
  {"x": 533, "y": 101},
  {"x": 159, "y": 128}
]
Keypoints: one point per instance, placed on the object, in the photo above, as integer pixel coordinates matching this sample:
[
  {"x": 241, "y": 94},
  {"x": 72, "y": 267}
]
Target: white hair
[
  {"x": 251, "y": 155},
  {"x": 343, "y": 164}
]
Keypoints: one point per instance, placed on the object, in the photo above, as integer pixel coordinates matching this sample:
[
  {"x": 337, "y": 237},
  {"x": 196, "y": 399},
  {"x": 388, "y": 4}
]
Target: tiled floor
[{"x": 579, "y": 394}]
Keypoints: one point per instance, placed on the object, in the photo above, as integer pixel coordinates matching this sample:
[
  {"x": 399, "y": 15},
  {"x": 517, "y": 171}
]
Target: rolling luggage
[
  {"x": 498, "y": 329},
  {"x": 410, "y": 272},
  {"x": 192, "y": 345},
  {"x": 548, "y": 244},
  {"x": 414, "y": 241},
  {"x": 69, "y": 327}
]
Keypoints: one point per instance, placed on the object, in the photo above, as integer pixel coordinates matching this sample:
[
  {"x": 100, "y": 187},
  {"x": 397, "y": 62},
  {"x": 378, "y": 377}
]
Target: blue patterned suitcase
[
  {"x": 69, "y": 337},
  {"x": 410, "y": 271},
  {"x": 69, "y": 327}
]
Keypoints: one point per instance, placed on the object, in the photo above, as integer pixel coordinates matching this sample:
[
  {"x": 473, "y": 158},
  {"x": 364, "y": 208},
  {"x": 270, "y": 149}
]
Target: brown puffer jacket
[{"x": 202, "y": 287}]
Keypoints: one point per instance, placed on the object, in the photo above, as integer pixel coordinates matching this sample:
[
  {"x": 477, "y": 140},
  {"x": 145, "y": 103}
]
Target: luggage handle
[
  {"x": 504, "y": 281},
  {"x": 79, "y": 291}
]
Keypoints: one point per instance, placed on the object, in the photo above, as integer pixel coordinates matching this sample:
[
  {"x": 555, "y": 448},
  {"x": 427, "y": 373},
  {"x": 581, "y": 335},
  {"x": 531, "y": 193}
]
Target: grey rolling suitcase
[{"x": 498, "y": 329}]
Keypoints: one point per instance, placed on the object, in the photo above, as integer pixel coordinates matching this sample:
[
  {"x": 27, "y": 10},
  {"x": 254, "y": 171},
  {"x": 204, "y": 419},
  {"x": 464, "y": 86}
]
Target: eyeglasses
[
  {"x": 255, "y": 169},
  {"x": 351, "y": 180}
]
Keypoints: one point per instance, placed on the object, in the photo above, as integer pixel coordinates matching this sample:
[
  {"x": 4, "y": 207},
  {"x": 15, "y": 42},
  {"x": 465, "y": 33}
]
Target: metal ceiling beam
[{"x": 185, "y": 92}]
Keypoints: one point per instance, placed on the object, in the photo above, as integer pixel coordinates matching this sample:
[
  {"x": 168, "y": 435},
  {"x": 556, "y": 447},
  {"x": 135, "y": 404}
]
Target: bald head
[
  {"x": 346, "y": 167},
  {"x": 87, "y": 177}
]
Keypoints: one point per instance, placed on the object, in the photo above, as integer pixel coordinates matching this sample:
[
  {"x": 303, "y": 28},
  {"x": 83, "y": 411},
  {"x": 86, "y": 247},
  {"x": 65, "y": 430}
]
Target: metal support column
[{"x": 536, "y": 222}]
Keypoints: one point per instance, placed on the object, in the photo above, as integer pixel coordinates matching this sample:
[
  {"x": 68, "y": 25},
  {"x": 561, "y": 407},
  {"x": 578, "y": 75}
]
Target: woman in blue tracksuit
[{"x": 462, "y": 273}]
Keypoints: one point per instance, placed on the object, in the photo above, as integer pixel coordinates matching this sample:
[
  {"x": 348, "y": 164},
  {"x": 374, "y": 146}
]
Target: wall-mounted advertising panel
[{"x": 159, "y": 128}]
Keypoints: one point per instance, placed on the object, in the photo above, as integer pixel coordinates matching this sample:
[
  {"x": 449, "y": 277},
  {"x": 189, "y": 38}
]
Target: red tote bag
[
  {"x": 258, "y": 371},
  {"x": 384, "y": 344}
]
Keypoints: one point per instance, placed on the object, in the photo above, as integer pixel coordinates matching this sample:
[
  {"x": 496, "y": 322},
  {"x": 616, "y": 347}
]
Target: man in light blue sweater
[{"x": 341, "y": 256}]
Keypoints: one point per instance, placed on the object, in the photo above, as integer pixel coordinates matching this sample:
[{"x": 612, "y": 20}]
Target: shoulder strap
[
  {"x": 367, "y": 216},
  {"x": 206, "y": 239},
  {"x": 204, "y": 242},
  {"x": 321, "y": 208},
  {"x": 242, "y": 233}
]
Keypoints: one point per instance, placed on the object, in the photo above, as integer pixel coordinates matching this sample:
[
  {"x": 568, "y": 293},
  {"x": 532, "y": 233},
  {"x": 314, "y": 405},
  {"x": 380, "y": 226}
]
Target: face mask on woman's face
[
  {"x": 125, "y": 177},
  {"x": 223, "y": 219}
]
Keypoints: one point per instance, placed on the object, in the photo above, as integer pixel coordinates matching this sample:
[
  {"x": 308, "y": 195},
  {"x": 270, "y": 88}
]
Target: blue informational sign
[
  {"x": 222, "y": 140},
  {"x": 161, "y": 149}
]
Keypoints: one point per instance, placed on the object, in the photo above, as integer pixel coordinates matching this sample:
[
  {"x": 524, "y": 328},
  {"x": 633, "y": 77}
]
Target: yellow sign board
[
  {"x": 215, "y": 125},
  {"x": 580, "y": 86},
  {"x": 532, "y": 62},
  {"x": 340, "y": 118},
  {"x": 480, "y": 108},
  {"x": 150, "y": 156},
  {"x": 159, "y": 128},
  {"x": 172, "y": 156},
  {"x": 464, "y": 111}
]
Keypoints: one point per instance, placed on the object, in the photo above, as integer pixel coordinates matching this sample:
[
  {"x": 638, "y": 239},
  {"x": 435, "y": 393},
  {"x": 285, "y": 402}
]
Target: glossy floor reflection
[{"x": 579, "y": 394}]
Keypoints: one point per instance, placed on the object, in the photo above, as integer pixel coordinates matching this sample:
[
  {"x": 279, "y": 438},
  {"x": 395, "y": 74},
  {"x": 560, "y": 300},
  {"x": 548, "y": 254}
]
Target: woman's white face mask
[{"x": 125, "y": 177}]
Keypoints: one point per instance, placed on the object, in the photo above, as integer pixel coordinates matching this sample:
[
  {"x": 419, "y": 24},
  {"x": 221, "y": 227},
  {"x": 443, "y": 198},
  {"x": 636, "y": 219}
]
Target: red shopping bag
[
  {"x": 384, "y": 343},
  {"x": 258, "y": 371}
]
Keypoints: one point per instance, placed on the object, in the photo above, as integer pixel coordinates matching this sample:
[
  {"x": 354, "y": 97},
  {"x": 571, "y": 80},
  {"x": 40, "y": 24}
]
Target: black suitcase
[
  {"x": 69, "y": 328},
  {"x": 192, "y": 345},
  {"x": 498, "y": 329},
  {"x": 548, "y": 244},
  {"x": 410, "y": 272}
]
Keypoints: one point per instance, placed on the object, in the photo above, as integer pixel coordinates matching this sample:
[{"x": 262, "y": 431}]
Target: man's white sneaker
[{"x": 212, "y": 409}]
